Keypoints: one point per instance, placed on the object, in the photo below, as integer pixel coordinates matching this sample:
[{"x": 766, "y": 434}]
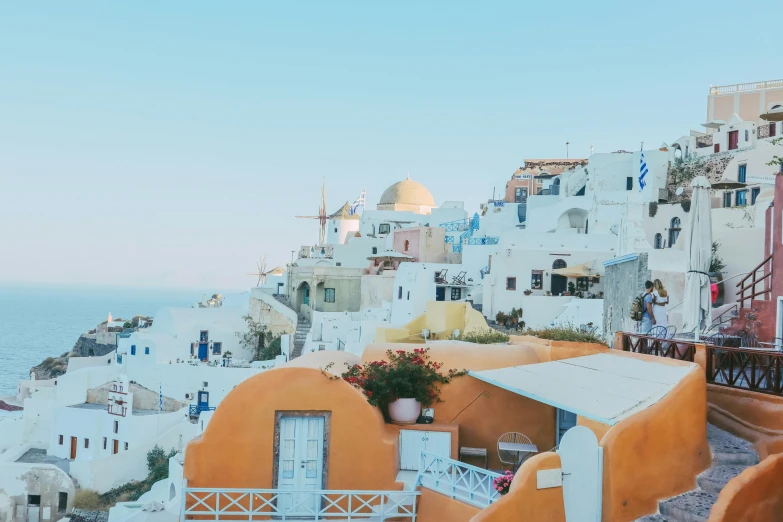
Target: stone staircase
[
  {"x": 300, "y": 335},
  {"x": 730, "y": 457}
]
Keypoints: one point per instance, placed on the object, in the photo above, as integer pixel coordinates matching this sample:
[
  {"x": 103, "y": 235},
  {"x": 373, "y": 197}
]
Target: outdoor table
[{"x": 517, "y": 448}]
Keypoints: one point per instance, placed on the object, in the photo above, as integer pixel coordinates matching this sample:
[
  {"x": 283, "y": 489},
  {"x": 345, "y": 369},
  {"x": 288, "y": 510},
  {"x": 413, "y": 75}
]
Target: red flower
[{"x": 369, "y": 393}]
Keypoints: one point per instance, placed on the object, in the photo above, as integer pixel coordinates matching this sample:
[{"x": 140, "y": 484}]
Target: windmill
[
  {"x": 321, "y": 217},
  {"x": 261, "y": 264}
]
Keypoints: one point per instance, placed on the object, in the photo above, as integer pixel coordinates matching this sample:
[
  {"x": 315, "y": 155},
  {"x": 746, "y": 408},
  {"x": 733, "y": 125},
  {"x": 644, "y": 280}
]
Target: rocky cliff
[{"x": 88, "y": 345}]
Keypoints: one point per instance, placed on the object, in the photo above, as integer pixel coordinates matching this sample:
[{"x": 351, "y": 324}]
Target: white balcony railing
[
  {"x": 745, "y": 87},
  {"x": 256, "y": 504},
  {"x": 457, "y": 480}
]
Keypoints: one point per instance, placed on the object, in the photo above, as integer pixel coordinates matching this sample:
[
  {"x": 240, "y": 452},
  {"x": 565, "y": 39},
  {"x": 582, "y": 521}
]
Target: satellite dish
[{"x": 679, "y": 191}]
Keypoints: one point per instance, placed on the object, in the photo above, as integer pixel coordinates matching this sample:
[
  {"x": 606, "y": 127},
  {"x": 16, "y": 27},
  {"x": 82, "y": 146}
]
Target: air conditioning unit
[{"x": 188, "y": 396}]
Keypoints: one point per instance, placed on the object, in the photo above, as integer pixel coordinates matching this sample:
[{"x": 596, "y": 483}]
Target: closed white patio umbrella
[{"x": 697, "y": 301}]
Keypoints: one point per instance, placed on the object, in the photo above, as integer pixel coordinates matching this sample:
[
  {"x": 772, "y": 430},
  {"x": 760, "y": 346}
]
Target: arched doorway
[
  {"x": 303, "y": 294},
  {"x": 558, "y": 283},
  {"x": 172, "y": 492}
]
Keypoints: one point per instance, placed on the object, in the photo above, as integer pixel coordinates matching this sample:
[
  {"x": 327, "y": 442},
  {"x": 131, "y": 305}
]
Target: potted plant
[
  {"x": 571, "y": 288},
  {"x": 503, "y": 482},
  {"x": 401, "y": 386},
  {"x": 501, "y": 318},
  {"x": 528, "y": 292}
]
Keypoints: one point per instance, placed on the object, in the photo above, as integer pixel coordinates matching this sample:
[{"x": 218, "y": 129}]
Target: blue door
[
  {"x": 307, "y": 296},
  {"x": 203, "y": 400},
  {"x": 202, "y": 351}
]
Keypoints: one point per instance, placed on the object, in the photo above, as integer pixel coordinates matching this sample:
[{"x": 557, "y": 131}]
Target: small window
[
  {"x": 747, "y": 135},
  {"x": 754, "y": 193},
  {"x": 409, "y": 295},
  {"x": 406, "y": 246},
  {"x": 335, "y": 230},
  {"x": 726, "y": 199},
  {"x": 742, "y": 198},
  {"x": 62, "y": 502},
  {"x": 658, "y": 241},
  {"x": 60, "y": 441},
  {"x": 204, "y": 336},
  {"x": 773, "y": 129},
  {"x": 329, "y": 295},
  {"x": 716, "y": 148},
  {"x": 86, "y": 443},
  {"x": 629, "y": 183},
  {"x": 456, "y": 294},
  {"x": 374, "y": 250},
  {"x": 192, "y": 348},
  {"x": 116, "y": 426},
  {"x": 536, "y": 281},
  {"x": 126, "y": 446},
  {"x": 33, "y": 500},
  {"x": 741, "y": 175},
  {"x": 133, "y": 349},
  {"x": 146, "y": 350},
  {"x": 511, "y": 283},
  {"x": 399, "y": 292},
  {"x": 582, "y": 283},
  {"x": 384, "y": 228},
  {"x": 105, "y": 442},
  {"x": 217, "y": 348}
]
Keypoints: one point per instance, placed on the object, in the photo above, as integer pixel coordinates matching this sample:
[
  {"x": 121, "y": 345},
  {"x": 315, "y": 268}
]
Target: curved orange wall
[
  {"x": 755, "y": 495},
  {"x": 753, "y": 416},
  {"x": 524, "y": 501},
  {"x": 656, "y": 453},
  {"x": 236, "y": 449},
  {"x": 434, "y": 507}
]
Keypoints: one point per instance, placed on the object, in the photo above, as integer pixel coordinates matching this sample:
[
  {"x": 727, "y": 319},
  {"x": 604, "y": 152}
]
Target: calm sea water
[{"x": 38, "y": 321}]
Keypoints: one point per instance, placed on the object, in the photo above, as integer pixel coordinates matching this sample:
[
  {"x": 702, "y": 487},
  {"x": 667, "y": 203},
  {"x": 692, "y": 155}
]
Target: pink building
[
  {"x": 425, "y": 244},
  {"x": 747, "y": 100}
]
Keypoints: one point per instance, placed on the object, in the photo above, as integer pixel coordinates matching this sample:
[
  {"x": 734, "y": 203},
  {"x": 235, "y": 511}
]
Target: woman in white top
[{"x": 660, "y": 301}]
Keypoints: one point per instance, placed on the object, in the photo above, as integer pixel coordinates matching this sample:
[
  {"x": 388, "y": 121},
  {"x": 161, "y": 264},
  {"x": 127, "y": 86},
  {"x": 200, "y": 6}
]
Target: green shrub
[
  {"x": 158, "y": 467},
  {"x": 486, "y": 336},
  {"x": 566, "y": 333}
]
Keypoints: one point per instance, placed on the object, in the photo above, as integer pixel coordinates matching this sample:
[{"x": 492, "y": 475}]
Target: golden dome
[{"x": 407, "y": 192}]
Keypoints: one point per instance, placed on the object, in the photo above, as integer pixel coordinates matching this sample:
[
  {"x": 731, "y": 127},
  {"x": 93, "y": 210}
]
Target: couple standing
[{"x": 655, "y": 300}]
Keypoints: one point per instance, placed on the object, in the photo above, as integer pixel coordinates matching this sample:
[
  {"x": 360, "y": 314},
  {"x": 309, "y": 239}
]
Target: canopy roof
[
  {"x": 391, "y": 254},
  {"x": 603, "y": 387},
  {"x": 589, "y": 269},
  {"x": 714, "y": 124},
  {"x": 775, "y": 114}
]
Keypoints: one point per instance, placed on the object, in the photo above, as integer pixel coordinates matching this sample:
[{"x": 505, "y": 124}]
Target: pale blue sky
[{"x": 171, "y": 143}]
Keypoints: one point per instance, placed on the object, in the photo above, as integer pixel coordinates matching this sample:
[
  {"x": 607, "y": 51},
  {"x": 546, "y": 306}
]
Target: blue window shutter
[
  {"x": 147, "y": 350},
  {"x": 133, "y": 349}
]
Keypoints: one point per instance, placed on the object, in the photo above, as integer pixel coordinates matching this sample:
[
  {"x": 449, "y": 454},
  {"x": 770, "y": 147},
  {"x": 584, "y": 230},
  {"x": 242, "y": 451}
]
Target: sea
[{"x": 40, "y": 321}]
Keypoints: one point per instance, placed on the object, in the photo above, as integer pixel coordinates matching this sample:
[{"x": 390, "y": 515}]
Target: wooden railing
[
  {"x": 679, "y": 349},
  {"x": 744, "y": 285},
  {"x": 745, "y": 368}
]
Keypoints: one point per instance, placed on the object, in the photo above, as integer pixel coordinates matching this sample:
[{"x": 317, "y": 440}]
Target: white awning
[{"x": 603, "y": 387}]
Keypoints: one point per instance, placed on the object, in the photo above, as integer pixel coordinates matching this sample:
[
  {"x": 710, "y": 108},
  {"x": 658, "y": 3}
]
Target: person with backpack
[{"x": 642, "y": 309}]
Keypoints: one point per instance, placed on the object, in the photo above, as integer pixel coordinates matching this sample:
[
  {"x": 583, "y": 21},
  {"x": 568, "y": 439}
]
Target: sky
[{"x": 171, "y": 144}]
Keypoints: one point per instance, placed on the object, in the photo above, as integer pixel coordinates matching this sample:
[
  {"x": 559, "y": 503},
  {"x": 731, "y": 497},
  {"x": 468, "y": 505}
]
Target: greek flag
[
  {"x": 642, "y": 172},
  {"x": 359, "y": 202}
]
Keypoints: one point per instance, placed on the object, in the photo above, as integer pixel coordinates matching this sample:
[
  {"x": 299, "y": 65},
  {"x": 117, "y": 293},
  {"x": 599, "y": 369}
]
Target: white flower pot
[{"x": 404, "y": 411}]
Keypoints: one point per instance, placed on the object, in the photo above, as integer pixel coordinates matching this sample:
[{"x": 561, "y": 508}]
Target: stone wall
[
  {"x": 90, "y": 345},
  {"x": 623, "y": 282}
]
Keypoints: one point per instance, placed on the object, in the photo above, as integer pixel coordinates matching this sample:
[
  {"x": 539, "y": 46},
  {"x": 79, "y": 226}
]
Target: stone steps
[
  {"x": 300, "y": 336},
  {"x": 730, "y": 457}
]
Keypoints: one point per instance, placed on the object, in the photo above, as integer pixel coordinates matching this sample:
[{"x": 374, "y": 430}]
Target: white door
[
  {"x": 438, "y": 442},
  {"x": 300, "y": 465},
  {"x": 582, "y": 461},
  {"x": 411, "y": 444},
  {"x": 33, "y": 513}
]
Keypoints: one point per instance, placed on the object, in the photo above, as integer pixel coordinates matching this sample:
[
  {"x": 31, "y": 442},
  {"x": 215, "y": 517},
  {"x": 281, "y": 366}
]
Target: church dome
[{"x": 407, "y": 192}]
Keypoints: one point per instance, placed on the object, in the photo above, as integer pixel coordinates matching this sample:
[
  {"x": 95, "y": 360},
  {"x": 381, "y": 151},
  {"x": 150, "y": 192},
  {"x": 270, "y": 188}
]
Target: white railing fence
[
  {"x": 255, "y": 504},
  {"x": 744, "y": 87},
  {"x": 457, "y": 480}
]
